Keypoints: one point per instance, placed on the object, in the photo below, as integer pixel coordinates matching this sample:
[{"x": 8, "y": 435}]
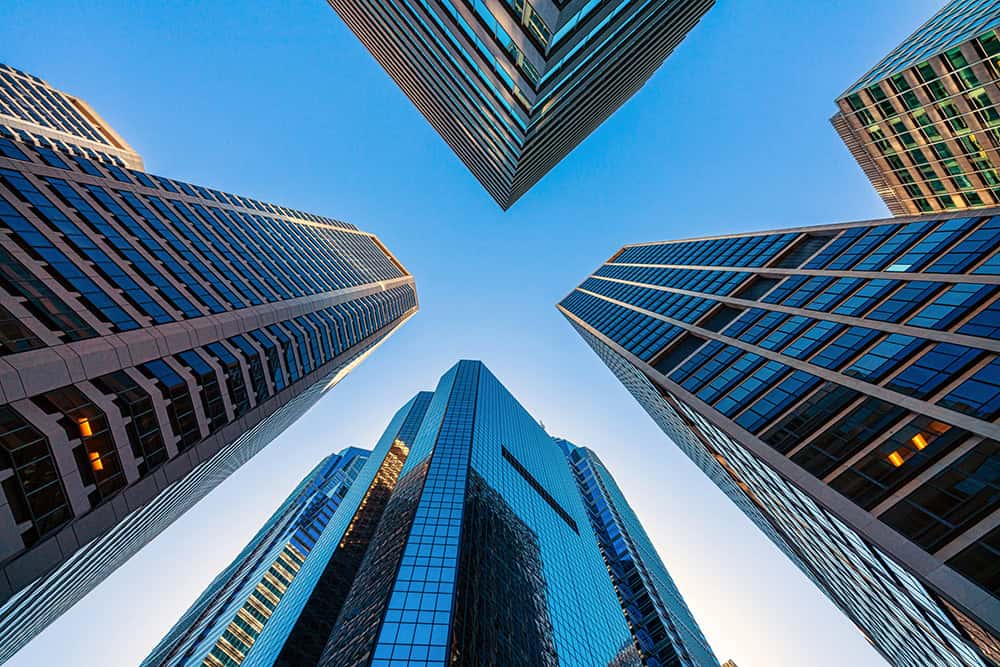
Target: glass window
[
  {"x": 180, "y": 409},
  {"x": 96, "y": 456},
  {"x": 897, "y": 460},
  {"x": 139, "y": 416},
  {"x": 955, "y": 499},
  {"x": 978, "y": 396},
  {"x": 952, "y": 305},
  {"x": 34, "y": 493},
  {"x": 942, "y": 364},
  {"x": 884, "y": 357}
]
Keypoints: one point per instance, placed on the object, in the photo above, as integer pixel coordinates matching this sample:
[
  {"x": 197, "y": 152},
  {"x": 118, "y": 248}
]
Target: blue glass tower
[
  {"x": 466, "y": 539},
  {"x": 230, "y": 615},
  {"x": 484, "y": 555},
  {"x": 665, "y": 632},
  {"x": 281, "y": 595}
]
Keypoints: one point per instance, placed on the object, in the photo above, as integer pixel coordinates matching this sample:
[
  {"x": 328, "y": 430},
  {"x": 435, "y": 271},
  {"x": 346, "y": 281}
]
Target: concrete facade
[{"x": 154, "y": 335}]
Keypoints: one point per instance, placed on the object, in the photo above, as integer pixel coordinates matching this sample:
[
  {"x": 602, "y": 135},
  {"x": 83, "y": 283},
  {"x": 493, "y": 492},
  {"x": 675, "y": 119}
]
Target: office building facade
[
  {"x": 514, "y": 85},
  {"x": 473, "y": 544},
  {"x": 154, "y": 335},
  {"x": 924, "y": 123},
  {"x": 841, "y": 384},
  {"x": 484, "y": 554},
  {"x": 257, "y": 613},
  {"x": 225, "y": 622},
  {"x": 663, "y": 628}
]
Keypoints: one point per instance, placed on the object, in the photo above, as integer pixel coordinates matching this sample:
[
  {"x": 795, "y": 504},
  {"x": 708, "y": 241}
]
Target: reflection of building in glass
[
  {"x": 484, "y": 555},
  {"x": 474, "y": 544},
  {"x": 514, "y": 85},
  {"x": 154, "y": 336},
  {"x": 842, "y": 385},
  {"x": 230, "y": 615},
  {"x": 471, "y": 546},
  {"x": 924, "y": 123},
  {"x": 477, "y": 550},
  {"x": 663, "y": 627}
]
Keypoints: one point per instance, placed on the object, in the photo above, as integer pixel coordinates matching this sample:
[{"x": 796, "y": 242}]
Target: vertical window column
[{"x": 416, "y": 626}]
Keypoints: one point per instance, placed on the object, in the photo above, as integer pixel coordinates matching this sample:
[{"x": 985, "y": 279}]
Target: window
[
  {"x": 811, "y": 415},
  {"x": 904, "y": 301},
  {"x": 234, "y": 377},
  {"x": 941, "y": 364},
  {"x": 950, "y": 306},
  {"x": 183, "y": 419},
  {"x": 139, "y": 416},
  {"x": 35, "y": 492},
  {"x": 258, "y": 378},
  {"x": 208, "y": 383},
  {"x": 978, "y": 396},
  {"x": 952, "y": 501},
  {"x": 720, "y": 317},
  {"x": 96, "y": 456},
  {"x": 678, "y": 352},
  {"x": 884, "y": 357},
  {"x": 780, "y": 397},
  {"x": 849, "y": 435},
  {"x": 897, "y": 460}
]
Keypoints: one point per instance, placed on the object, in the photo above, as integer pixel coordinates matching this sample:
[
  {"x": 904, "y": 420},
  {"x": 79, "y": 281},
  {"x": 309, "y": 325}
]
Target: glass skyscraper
[
  {"x": 257, "y": 613},
  {"x": 924, "y": 123},
  {"x": 514, "y": 85},
  {"x": 154, "y": 335},
  {"x": 475, "y": 548},
  {"x": 662, "y": 626},
  {"x": 484, "y": 555},
  {"x": 224, "y": 623},
  {"x": 841, "y": 383}
]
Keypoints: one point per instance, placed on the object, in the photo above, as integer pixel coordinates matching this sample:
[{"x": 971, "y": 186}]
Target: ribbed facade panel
[{"x": 509, "y": 94}]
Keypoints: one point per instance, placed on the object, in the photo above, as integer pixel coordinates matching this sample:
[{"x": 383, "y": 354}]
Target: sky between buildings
[{"x": 280, "y": 102}]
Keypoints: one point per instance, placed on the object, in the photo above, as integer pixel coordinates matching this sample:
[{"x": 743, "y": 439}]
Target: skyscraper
[
  {"x": 484, "y": 554},
  {"x": 154, "y": 335},
  {"x": 475, "y": 547},
  {"x": 514, "y": 85},
  {"x": 281, "y": 595},
  {"x": 841, "y": 384},
  {"x": 924, "y": 123},
  {"x": 230, "y": 616},
  {"x": 664, "y": 630}
]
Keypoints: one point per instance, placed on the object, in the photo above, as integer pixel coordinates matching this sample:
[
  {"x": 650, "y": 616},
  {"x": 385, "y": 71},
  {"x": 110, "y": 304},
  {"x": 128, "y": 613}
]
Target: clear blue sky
[{"x": 279, "y": 101}]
